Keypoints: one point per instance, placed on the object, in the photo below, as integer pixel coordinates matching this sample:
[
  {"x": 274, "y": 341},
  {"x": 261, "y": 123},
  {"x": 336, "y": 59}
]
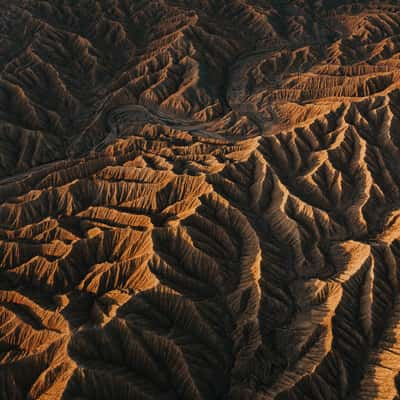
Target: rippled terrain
[{"x": 199, "y": 200}]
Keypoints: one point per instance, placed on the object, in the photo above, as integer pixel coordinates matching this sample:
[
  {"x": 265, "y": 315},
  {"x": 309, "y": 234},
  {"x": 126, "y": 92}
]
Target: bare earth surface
[{"x": 199, "y": 200}]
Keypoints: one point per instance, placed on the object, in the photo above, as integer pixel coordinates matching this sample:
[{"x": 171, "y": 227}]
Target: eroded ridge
[{"x": 191, "y": 209}]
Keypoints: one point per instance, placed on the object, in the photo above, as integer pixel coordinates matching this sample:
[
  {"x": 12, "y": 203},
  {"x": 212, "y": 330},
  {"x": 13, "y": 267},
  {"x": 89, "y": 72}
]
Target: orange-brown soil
[{"x": 199, "y": 200}]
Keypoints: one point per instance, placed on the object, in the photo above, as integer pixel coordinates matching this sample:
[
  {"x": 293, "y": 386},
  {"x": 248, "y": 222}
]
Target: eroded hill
[{"x": 199, "y": 200}]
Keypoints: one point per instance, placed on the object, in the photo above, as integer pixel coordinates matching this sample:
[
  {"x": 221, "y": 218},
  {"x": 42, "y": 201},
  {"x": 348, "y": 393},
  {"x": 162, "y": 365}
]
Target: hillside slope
[{"x": 199, "y": 200}]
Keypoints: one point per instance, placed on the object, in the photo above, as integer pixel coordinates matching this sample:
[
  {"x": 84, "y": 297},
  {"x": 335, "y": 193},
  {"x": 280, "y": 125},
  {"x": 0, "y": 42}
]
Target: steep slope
[{"x": 199, "y": 200}]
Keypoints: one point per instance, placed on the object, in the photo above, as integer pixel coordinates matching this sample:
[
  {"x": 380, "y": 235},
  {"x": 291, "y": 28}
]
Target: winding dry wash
[{"x": 199, "y": 199}]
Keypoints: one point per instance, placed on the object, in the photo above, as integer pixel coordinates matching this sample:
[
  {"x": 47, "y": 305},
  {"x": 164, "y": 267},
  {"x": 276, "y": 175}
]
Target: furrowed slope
[{"x": 199, "y": 200}]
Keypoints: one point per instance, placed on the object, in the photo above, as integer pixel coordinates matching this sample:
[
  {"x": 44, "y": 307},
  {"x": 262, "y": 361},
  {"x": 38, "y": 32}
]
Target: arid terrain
[{"x": 199, "y": 200}]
